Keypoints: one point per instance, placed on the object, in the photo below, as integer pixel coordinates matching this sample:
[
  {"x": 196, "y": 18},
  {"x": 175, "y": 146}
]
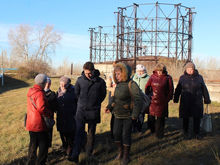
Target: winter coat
[
  {"x": 160, "y": 88},
  {"x": 67, "y": 103},
  {"x": 126, "y": 103},
  {"x": 90, "y": 94},
  {"x": 35, "y": 122},
  {"x": 52, "y": 100},
  {"x": 141, "y": 80},
  {"x": 192, "y": 90}
]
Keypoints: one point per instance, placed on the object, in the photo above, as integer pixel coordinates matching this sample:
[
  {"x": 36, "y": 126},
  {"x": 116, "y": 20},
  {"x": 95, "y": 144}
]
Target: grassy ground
[{"x": 145, "y": 150}]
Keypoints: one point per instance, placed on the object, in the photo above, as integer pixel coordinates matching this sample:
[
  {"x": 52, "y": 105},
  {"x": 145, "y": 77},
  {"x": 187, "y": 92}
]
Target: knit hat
[
  {"x": 160, "y": 67},
  {"x": 40, "y": 79},
  {"x": 190, "y": 65},
  {"x": 140, "y": 67},
  {"x": 66, "y": 80}
]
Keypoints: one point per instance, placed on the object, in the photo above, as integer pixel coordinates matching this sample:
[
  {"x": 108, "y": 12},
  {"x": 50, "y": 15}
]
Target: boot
[
  {"x": 120, "y": 150},
  {"x": 126, "y": 158}
]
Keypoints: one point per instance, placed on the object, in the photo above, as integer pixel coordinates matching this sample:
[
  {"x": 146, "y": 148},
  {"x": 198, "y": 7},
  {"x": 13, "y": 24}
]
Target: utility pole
[{"x": 2, "y": 71}]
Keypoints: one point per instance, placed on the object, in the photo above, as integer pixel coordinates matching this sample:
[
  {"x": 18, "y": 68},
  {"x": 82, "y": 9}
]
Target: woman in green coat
[{"x": 125, "y": 105}]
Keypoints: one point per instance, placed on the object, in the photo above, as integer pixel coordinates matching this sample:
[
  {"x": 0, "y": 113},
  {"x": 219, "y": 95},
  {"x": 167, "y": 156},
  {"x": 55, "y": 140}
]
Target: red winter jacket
[
  {"x": 161, "y": 90},
  {"x": 34, "y": 122}
]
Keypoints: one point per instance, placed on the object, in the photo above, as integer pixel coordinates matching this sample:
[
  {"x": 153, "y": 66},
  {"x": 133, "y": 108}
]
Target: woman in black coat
[
  {"x": 193, "y": 90},
  {"x": 67, "y": 102}
]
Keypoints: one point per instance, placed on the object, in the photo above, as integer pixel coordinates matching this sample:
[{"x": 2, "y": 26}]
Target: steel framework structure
[{"x": 150, "y": 29}]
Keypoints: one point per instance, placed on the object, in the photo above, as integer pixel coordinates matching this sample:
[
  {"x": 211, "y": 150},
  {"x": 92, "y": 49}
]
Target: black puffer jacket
[
  {"x": 90, "y": 93},
  {"x": 67, "y": 110},
  {"x": 192, "y": 90}
]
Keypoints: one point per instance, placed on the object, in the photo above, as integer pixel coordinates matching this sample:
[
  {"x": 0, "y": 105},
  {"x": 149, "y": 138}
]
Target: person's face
[
  {"x": 140, "y": 72},
  {"x": 189, "y": 71},
  {"x": 88, "y": 73},
  {"x": 159, "y": 72},
  {"x": 62, "y": 86},
  {"x": 118, "y": 75}
]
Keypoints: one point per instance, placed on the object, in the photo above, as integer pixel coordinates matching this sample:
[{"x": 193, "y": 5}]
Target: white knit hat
[{"x": 140, "y": 67}]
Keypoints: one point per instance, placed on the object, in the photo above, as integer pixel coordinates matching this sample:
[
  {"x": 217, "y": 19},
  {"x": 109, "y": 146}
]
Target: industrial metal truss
[{"x": 150, "y": 30}]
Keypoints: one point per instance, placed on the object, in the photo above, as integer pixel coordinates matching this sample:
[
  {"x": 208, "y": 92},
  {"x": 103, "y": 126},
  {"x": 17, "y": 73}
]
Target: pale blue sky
[{"x": 74, "y": 17}]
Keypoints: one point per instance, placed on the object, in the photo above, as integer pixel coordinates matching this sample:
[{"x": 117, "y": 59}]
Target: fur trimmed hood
[{"x": 126, "y": 72}]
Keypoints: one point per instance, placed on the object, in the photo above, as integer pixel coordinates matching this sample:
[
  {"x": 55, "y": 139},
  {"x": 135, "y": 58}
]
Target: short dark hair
[{"x": 88, "y": 66}]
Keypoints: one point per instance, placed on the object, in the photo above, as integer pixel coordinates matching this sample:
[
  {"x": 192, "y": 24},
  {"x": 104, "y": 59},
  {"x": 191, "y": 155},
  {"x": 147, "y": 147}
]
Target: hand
[
  {"x": 133, "y": 118},
  {"x": 107, "y": 110}
]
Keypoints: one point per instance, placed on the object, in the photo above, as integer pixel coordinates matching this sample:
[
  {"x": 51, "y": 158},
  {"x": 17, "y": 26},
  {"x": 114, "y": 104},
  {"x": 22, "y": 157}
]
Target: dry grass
[{"x": 146, "y": 150}]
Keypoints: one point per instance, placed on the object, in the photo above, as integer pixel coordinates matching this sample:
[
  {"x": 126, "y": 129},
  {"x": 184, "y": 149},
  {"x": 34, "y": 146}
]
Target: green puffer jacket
[
  {"x": 125, "y": 103},
  {"x": 141, "y": 80}
]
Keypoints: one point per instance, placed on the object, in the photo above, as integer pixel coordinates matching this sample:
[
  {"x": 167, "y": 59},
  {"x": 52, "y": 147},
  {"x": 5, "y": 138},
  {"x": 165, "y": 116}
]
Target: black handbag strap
[
  {"x": 206, "y": 109},
  {"x": 33, "y": 103}
]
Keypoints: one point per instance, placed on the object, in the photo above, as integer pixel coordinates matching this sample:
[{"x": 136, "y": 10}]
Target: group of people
[{"x": 80, "y": 104}]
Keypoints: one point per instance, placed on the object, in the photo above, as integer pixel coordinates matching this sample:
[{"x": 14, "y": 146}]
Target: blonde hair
[{"x": 160, "y": 67}]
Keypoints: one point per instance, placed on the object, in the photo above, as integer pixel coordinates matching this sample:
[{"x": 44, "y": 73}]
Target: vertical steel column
[
  {"x": 135, "y": 35},
  {"x": 151, "y": 42},
  {"x": 113, "y": 58},
  {"x": 105, "y": 36},
  {"x": 128, "y": 41},
  {"x": 156, "y": 32},
  {"x": 95, "y": 46},
  {"x": 182, "y": 44},
  {"x": 122, "y": 34},
  {"x": 100, "y": 43},
  {"x": 91, "y": 43},
  {"x": 168, "y": 43},
  {"x": 190, "y": 35},
  {"x": 117, "y": 43},
  {"x": 177, "y": 28}
]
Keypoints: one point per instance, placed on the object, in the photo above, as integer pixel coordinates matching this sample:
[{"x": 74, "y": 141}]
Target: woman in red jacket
[
  {"x": 36, "y": 108},
  {"x": 160, "y": 88}
]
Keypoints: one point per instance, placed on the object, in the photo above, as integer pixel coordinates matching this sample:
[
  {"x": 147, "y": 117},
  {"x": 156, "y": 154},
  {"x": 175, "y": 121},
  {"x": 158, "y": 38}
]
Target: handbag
[
  {"x": 206, "y": 121},
  {"x": 146, "y": 99},
  {"x": 48, "y": 121}
]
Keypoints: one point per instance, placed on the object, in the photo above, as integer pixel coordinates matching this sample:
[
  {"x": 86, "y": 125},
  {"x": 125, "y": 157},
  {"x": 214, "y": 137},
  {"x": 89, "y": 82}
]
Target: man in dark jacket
[{"x": 91, "y": 91}]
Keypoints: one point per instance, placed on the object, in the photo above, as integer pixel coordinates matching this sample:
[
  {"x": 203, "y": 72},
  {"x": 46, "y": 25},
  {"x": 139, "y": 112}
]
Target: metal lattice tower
[{"x": 150, "y": 30}]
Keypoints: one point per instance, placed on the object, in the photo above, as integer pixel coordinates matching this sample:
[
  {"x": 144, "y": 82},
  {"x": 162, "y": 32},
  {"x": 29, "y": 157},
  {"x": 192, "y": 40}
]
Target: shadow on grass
[
  {"x": 146, "y": 145},
  {"x": 11, "y": 83}
]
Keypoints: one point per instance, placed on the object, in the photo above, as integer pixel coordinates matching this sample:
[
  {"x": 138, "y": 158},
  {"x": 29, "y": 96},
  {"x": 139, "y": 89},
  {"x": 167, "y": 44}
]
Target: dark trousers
[
  {"x": 112, "y": 125},
  {"x": 196, "y": 125},
  {"x": 81, "y": 139},
  {"x": 38, "y": 139},
  {"x": 122, "y": 131},
  {"x": 67, "y": 139},
  {"x": 50, "y": 137},
  {"x": 156, "y": 124}
]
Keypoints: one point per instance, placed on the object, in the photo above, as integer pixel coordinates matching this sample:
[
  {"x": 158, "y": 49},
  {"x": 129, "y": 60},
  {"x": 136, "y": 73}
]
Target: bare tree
[{"x": 30, "y": 43}]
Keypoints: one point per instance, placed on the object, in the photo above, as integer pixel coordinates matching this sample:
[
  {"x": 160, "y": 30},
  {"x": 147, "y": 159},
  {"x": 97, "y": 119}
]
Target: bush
[{"x": 32, "y": 68}]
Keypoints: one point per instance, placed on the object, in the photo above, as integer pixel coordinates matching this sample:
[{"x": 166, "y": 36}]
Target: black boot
[
  {"x": 120, "y": 150},
  {"x": 126, "y": 153}
]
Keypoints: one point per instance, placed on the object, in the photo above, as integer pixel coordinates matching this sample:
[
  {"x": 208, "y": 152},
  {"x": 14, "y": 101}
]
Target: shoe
[
  {"x": 186, "y": 136},
  {"x": 73, "y": 158},
  {"x": 198, "y": 137}
]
